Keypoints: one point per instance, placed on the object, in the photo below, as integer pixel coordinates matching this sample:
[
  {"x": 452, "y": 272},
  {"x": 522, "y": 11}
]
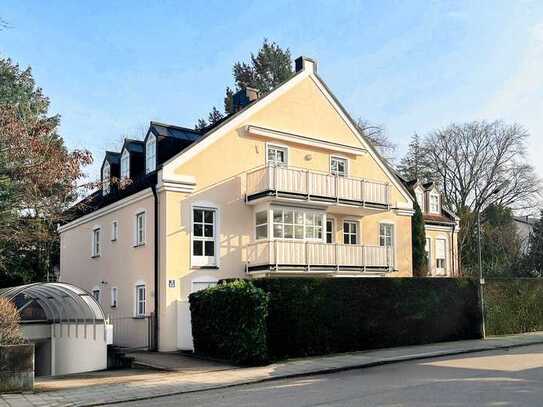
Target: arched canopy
[{"x": 56, "y": 302}]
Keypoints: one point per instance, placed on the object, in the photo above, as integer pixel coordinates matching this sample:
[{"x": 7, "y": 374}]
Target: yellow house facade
[{"x": 286, "y": 186}]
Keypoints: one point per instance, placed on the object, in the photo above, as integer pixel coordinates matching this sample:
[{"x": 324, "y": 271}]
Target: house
[
  {"x": 441, "y": 226},
  {"x": 285, "y": 186},
  {"x": 524, "y": 226}
]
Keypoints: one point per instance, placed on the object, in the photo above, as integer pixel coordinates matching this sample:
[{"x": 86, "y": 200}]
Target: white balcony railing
[
  {"x": 318, "y": 254},
  {"x": 317, "y": 185}
]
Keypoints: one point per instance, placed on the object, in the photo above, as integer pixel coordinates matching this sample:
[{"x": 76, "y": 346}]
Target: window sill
[
  {"x": 95, "y": 256},
  {"x": 113, "y": 306},
  {"x": 205, "y": 267},
  {"x": 139, "y": 245},
  {"x": 139, "y": 317}
]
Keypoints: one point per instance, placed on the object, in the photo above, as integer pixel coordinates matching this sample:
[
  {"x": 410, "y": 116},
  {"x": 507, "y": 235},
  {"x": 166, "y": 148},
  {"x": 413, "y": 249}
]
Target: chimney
[
  {"x": 244, "y": 97},
  {"x": 303, "y": 63}
]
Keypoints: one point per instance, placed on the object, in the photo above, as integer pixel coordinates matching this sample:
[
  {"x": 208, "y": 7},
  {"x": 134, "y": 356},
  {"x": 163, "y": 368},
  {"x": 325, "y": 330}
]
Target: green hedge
[
  {"x": 229, "y": 322},
  {"x": 294, "y": 317},
  {"x": 513, "y": 306},
  {"x": 315, "y": 316}
]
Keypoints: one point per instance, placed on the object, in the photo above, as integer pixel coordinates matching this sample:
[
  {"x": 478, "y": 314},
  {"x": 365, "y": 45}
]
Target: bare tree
[
  {"x": 479, "y": 164},
  {"x": 376, "y": 135}
]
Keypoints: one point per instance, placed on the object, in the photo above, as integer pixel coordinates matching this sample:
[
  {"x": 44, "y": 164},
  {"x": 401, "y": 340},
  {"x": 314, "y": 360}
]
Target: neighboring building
[
  {"x": 525, "y": 227},
  {"x": 285, "y": 186},
  {"x": 441, "y": 226}
]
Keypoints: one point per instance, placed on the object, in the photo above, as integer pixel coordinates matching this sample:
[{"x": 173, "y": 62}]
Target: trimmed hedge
[
  {"x": 315, "y": 316},
  {"x": 513, "y": 305},
  {"x": 229, "y": 322}
]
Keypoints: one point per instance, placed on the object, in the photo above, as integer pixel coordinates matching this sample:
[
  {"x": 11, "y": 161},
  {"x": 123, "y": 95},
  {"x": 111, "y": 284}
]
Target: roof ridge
[{"x": 174, "y": 126}]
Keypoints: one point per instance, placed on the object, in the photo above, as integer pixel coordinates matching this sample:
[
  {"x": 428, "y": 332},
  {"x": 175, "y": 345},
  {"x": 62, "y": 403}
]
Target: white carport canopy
[{"x": 61, "y": 303}]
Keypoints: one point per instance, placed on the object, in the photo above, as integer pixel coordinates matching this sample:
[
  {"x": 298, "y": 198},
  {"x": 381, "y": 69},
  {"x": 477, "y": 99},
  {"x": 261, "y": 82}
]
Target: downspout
[{"x": 156, "y": 265}]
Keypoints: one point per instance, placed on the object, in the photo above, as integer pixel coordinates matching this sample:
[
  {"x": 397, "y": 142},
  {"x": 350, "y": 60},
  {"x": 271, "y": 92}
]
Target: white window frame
[
  {"x": 437, "y": 208},
  {"x": 140, "y": 238},
  {"x": 333, "y": 171},
  {"x": 96, "y": 241},
  {"x": 205, "y": 261},
  {"x": 137, "y": 301},
  {"x": 356, "y": 234},
  {"x": 384, "y": 237},
  {"x": 106, "y": 178},
  {"x": 441, "y": 271},
  {"x": 332, "y": 232},
  {"x": 305, "y": 225},
  {"x": 429, "y": 252},
  {"x": 150, "y": 159},
  {"x": 278, "y": 147},
  {"x": 261, "y": 225},
  {"x": 125, "y": 164},
  {"x": 114, "y": 230},
  {"x": 114, "y": 297}
]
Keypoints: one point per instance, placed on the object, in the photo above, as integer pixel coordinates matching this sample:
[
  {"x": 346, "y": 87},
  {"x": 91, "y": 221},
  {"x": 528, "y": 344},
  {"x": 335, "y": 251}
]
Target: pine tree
[
  {"x": 418, "y": 237},
  {"x": 414, "y": 165},
  {"x": 214, "y": 116}
]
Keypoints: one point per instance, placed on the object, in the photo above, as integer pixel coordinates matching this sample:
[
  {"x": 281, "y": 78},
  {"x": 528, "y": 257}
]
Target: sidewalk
[{"x": 171, "y": 383}]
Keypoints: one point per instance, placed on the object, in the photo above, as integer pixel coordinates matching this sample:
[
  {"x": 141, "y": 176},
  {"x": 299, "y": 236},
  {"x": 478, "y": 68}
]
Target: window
[
  {"x": 277, "y": 155},
  {"x": 420, "y": 200},
  {"x": 428, "y": 249},
  {"x": 350, "y": 232},
  {"x": 297, "y": 224},
  {"x": 114, "y": 296},
  {"x": 140, "y": 300},
  {"x": 202, "y": 285},
  {"x": 114, "y": 230},
  {"x": 203, "y": 237},
  {"x": 262, "y": 225},
  {"x": 338, "y": 166},
  {"x": 125, "y": 164},
  {"x": 330, "y": 231},
  {"x": 140, "y": 229},
  {"x": 96, "y": 246},
  {"x": 434, "y": 203},
  {"x": 106, "y": 175},
  {"x": 150, "y": 154},
  {"x": 386, "y": 235},
  {"x": 96, "y": 294},
  {"x": 441, "y": 258}
]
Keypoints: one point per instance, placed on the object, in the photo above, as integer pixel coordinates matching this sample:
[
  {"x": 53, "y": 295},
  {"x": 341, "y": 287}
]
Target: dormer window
[
  {"x": 150, "y": 154},
  {"x": 434, "y": 203},
  {"x": 106, "y": 176},
  {"x": 125, "y": 164}
]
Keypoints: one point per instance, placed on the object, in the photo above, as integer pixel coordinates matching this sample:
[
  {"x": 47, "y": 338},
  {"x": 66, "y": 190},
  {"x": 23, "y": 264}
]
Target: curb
[{"x": 399, "y": 359}]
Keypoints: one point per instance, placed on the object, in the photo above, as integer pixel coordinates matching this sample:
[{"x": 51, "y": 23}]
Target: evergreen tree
[
  {"x": 414, "y": 165},
  {"x": 418, "y": 238},
  {"x": 270, "y": 67},
  {"x": 534, "y": 259}
]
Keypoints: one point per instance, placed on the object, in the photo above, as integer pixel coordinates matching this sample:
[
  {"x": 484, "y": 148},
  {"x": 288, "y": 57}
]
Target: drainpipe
[{"x": 156, "y": 266}]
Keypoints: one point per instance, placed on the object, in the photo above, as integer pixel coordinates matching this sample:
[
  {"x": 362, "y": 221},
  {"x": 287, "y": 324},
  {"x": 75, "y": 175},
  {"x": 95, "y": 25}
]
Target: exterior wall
[
  {"x": 451, "y": 239},
  {"x": 120, "y": 265}
]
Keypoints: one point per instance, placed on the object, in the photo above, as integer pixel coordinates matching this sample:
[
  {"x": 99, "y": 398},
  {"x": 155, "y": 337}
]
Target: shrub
[
  {"x": 10, "y": 331},
  {"x": 229, "y": 322},
  {"x": 315, "y": 316},
  {"x": 513, "y": 305}
]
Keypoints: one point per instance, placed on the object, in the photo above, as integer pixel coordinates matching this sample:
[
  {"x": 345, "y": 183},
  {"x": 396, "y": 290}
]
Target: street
[{"x": 496, "y": 378}]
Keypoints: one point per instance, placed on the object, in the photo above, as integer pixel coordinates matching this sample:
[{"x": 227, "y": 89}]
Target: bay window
[{"x": 295, "y": 223}]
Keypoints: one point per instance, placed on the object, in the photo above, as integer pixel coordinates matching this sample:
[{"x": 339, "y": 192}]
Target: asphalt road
[{"x": 498, "y": 378}]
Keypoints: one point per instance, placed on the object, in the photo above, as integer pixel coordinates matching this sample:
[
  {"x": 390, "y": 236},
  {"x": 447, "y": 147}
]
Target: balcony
[
  {"x": 301, "y": 184},
  {"x": 290, "y": 255}
]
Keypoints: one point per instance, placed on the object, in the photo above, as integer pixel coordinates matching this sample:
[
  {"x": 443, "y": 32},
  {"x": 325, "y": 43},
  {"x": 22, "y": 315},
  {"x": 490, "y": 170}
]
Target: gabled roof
[{"x": 134, "y": 146}]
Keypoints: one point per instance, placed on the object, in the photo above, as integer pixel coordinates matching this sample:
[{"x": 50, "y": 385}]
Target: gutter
[{"x": 156, "y": 266}]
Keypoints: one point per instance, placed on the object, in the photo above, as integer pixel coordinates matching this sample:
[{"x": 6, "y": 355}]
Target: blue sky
[{"x": 110, "y": 67}]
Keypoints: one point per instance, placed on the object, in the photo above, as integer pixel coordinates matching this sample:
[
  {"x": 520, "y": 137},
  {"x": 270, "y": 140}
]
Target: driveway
[{"x": 496, "y": 378}]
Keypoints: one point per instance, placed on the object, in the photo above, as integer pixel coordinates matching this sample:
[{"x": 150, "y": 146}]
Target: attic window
[
  {"x": 125, "y": 165},
  {"x": 150, "y": 154},
  {"x": 420, "y": 199},
  {"x": 106, "y": 175},
  {"x": 434, "y": 203}
]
